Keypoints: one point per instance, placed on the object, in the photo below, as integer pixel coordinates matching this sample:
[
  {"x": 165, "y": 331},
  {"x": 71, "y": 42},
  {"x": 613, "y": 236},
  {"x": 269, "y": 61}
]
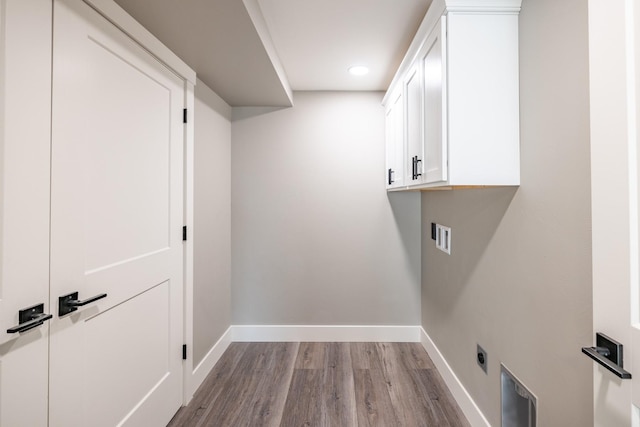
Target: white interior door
[
  {"x": 116, "y": 227},
  {"x": 614, "y": 80},
  {"x": 25, "y": 112}
]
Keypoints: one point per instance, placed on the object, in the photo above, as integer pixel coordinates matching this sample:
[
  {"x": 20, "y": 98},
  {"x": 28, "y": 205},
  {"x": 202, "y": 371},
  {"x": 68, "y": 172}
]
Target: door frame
[
  {"x": 121, "y": 19},
  {"x": 614, "y": 196}
]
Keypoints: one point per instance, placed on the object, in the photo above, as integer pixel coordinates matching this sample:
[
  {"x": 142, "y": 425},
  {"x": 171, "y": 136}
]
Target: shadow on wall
[
  {"x": 242, "y": 113},
  {"x": 606, "y": 413},
  {"x": 474, "y": 216},
  {"x": 404, "y": 205}
]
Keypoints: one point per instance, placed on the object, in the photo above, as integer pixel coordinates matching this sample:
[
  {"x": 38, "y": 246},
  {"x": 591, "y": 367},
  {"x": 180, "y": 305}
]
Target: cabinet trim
[{"x": 437, "y": 9}]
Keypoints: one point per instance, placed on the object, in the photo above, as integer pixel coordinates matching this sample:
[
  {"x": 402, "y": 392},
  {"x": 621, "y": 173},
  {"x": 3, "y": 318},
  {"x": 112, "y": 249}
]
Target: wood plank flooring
[{"x": 324, "y": 385}]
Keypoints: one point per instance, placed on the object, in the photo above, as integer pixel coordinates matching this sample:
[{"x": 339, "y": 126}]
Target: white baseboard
[
  {"x": 325, "y": 333},
  {"x": 203, "y": 369},
  {"x": 462, "y": 397}
]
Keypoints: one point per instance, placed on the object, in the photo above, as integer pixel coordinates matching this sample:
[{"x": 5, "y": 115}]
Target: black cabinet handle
[
  {"x": 413, "y": 167},
  {"x": 415, "y": 160},
  {"x": 70, "y": 303},
  {"x": 390, "y": 176},
  {"x": 30, "y": 318},
  {"x": 608, "y": 353}
]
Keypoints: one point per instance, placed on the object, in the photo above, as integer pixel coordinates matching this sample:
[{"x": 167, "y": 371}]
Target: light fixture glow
[{"x": 359, "y": 70}]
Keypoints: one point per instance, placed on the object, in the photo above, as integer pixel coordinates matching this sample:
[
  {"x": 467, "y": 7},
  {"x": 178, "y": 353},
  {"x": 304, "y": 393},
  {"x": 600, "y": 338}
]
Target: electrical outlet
[
  {"x": 481, "y": 358},
  {"x": 443, "y": 238}
]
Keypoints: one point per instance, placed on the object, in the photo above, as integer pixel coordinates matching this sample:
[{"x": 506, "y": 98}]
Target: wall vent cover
[{"x": 518, "y": 403}]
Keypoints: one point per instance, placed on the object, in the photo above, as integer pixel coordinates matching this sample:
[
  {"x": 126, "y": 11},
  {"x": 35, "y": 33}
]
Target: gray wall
[
  {"x": 316, "y": 239},
  {"x": 212, "y": 222},
  {"x": 518, "y": 281}
]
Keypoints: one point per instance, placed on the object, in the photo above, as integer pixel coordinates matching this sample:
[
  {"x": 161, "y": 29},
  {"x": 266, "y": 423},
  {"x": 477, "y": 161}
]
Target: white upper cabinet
[{"x": 460, "y": 85}]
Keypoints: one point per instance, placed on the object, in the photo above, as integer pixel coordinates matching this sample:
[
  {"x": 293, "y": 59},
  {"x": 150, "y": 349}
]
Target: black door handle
[
  {"x": 30, "y": 318},
  {"x": 608, "y": 353},
  {"x": 390, "y": 177},
  {"x": 70, "y": 302}
]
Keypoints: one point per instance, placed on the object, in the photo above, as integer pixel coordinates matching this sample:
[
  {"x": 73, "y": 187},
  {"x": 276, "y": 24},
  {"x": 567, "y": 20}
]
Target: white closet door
[
  {"x": 25, "y": 114},
  {"x": 116, "y": 227}
]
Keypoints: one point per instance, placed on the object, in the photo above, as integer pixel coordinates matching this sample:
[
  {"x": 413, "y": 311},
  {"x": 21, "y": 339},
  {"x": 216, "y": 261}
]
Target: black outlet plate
[{"x": 481, "y": 358}]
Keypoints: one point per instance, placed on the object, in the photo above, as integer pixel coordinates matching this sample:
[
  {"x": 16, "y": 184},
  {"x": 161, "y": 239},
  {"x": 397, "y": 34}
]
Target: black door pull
[
  {"x": 414, "y": 168},
  {"x": 608, "y": 353},
  {"x": 70, "y": 303},
  {"x": 415, "y": 174},
  {"x": 30, "y": 318}
]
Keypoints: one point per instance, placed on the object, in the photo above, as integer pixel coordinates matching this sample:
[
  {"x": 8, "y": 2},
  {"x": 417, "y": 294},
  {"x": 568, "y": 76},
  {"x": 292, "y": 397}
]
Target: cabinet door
[
  {"x": 116, "y": 227},
  {"x": 25, "y": 112},
  {"x": 435, "y": 105},
  {"x": 413, "y": 126},
  {"x": 395, "y": 142}
]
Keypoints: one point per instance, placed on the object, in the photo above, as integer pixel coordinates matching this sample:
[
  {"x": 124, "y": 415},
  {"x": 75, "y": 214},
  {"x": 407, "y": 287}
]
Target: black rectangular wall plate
[
  {"x": 30, "y": 313},
  {"x": 614, "y": 347},
  {"x": 64, "y": 308}
]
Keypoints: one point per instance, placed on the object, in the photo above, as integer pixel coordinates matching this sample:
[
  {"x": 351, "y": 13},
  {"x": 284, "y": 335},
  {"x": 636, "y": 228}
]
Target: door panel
[
  {"x": 435, "y": 136},
  {"x": 116, "y": 222},
  {"x": 23, "y": 380},
  {"x": 395, "y": 141},
  {"x": 121, "y": 222},
  {"x": 414, "y": 160},
  {"x": 107, "y": 336},
  {"x": 398, "y": 135},
  {"x": 389, "y": 127},
  {"x": 25, "y": 114}
]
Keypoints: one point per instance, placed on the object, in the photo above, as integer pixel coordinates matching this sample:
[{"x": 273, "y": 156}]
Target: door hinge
[
  {"x": 184, "y": 352},
  {"x": 184, "y": 233},
  {"x": 184, "y": 116}
]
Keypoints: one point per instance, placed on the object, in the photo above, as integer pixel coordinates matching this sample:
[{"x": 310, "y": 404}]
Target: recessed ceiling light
[{"x": 359, "y": 70}]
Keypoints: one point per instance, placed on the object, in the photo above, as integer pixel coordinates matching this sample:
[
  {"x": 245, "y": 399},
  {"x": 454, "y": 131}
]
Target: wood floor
[{"x": 322, "y": 384}]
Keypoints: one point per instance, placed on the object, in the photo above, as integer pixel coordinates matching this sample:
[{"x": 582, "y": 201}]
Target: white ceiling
[
  {"x": 253, "y": 52},
  {"x": 318, "y": 40}
]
